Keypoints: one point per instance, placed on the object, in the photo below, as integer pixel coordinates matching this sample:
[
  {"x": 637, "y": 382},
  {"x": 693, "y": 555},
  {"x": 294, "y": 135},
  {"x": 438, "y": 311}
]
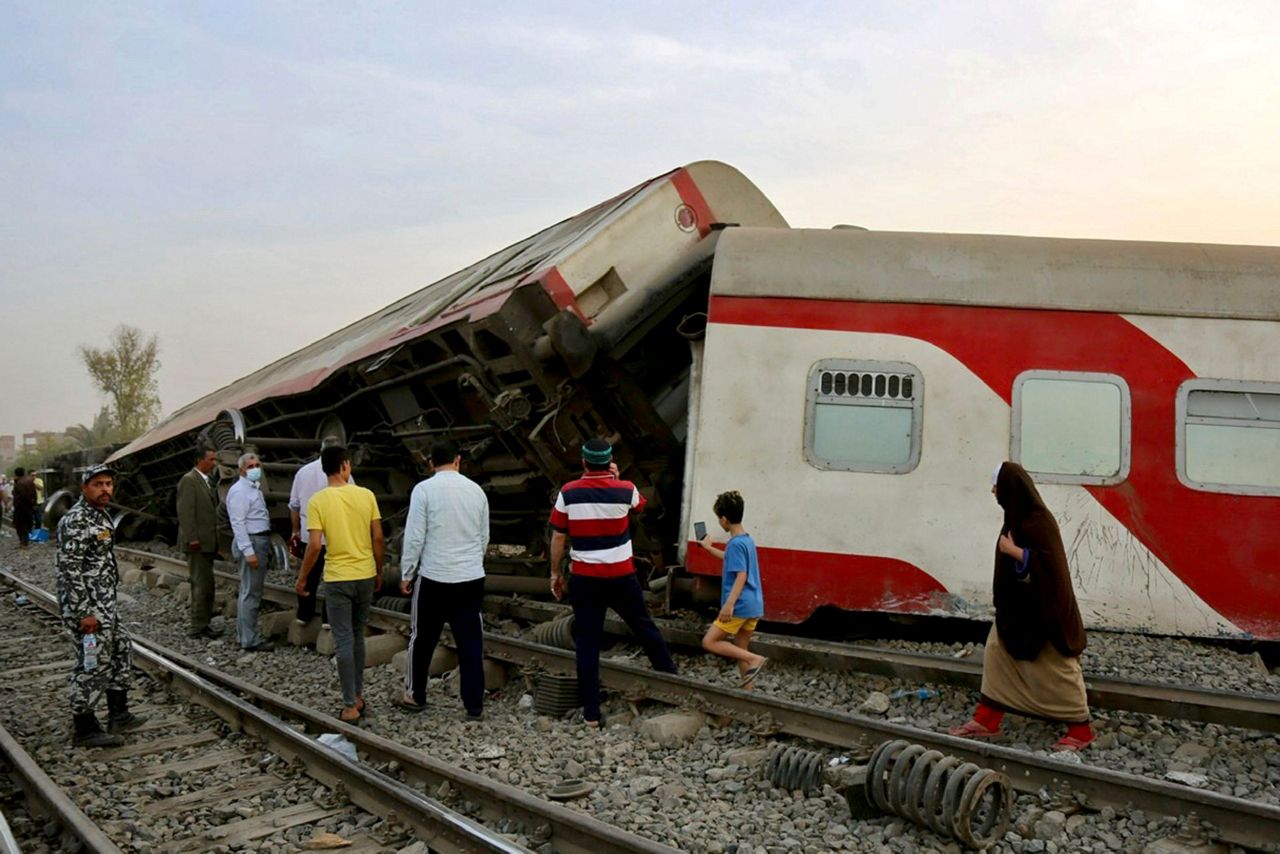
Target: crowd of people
[{"x": 1032, "y": 655}]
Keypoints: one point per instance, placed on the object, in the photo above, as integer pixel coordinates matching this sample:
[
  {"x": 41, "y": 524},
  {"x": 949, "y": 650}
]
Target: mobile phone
[{"x": 699, "y": 530}]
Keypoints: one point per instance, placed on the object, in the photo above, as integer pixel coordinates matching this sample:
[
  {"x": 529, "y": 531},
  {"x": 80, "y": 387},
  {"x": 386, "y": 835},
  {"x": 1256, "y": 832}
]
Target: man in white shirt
[
  {"x": 251, "y": 546},
  {"x": 442, "y": 562},
  {"x": 308, "y": 480}
]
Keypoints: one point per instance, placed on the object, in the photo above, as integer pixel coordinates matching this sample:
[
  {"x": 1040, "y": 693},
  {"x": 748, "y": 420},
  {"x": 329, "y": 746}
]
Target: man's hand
[
  {"x": 377, "y": 581},
  {"x": 301, "y": 587},
  {"x": 726, "y": 612},
  {"x": 1009, "y": 547},
  {"x": 193, "y": 546},
  {"x": 89, "y": 625},
  {"x": 613, "y": 469},
  {"x": 557, "y": 587},
  {"x": 252, "y": 560},
  {"x": 406, "y": 587}
]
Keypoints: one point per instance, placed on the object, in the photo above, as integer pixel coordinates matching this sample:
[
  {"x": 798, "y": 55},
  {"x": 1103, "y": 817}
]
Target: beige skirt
[{"x": 1051, "y": 686}]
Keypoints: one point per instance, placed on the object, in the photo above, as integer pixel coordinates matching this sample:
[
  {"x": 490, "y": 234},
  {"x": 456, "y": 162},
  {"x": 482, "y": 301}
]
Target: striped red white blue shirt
[{"x": 595, "y": 511}]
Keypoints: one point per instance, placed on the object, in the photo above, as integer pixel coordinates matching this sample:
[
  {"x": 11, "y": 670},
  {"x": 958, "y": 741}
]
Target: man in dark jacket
[
  {"x": 198, "y": 536},
  {"x": 24, "y": 504}
]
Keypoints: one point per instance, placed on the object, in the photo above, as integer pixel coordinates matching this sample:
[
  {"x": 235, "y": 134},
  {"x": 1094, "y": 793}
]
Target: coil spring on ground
[
  {"x": 943, "y": 793},
  {"x": 557, "y": 633},
  {"x": 795, "y": 768}
]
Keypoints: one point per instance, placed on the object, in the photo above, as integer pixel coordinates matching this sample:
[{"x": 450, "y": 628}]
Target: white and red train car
[{"x": 859, "y": 388}]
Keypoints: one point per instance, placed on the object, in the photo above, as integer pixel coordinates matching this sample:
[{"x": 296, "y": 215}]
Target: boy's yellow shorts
[{"x": 733, "y": 625}]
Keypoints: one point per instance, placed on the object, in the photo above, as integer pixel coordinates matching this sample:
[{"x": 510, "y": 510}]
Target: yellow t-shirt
[{"x": 344, "y": 515}]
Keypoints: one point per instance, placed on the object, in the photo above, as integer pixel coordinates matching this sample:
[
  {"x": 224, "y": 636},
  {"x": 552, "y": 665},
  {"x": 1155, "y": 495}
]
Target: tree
[
  {"x": 101, "y": 432},
  {"x": 126, "y": 373}
]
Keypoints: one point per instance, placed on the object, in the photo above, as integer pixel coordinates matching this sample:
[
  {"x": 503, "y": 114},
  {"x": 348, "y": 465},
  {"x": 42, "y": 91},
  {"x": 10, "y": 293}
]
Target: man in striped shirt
[{"x": 594, "y": 512}]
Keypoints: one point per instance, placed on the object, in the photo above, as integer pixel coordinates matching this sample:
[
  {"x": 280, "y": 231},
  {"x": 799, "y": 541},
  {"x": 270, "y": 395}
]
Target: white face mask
[{"x": 254, "y": 475}]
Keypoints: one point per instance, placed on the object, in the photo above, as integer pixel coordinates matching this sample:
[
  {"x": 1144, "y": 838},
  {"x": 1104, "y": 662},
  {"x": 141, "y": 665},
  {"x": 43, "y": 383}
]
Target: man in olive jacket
[{"x": 198, "y": 537}]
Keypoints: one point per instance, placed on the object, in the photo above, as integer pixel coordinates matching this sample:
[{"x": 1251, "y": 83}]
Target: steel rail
[
  {"x": 1241, "y": 821},
  {"x": 570, "y": 831},
  {"x": 1229, "y": 708},
  {"x": 41, "y": 789}
]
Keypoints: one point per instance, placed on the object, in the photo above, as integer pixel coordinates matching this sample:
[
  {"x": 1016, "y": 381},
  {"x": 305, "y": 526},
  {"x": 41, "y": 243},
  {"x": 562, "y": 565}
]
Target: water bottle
[
  {"x": 918, "y": 693},
  {"x": 90, "y": 651}
]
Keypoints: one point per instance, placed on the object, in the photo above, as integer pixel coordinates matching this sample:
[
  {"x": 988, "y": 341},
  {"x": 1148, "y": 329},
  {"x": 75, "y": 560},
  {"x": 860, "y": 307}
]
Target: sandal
[
  {"x": 353, "y": 721},
  {"x": 409, "y": 705},
  {"x": 1072, "y": 744},
  {"x": 749, "y": 677},
  {"x": 973, "y": 729}
]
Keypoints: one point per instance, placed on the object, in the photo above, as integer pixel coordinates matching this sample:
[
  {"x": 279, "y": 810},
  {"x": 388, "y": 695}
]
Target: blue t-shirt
[{"x": 740, "y": 556}]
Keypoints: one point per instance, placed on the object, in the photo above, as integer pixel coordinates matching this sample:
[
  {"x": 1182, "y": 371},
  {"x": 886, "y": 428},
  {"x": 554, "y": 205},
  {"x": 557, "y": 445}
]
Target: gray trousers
[
  {"x": 251, "y": 582},
  {"x": 115, "y": 657},
  {"x": 348, "y": 605},
  {"x": 200, "y": 566}
]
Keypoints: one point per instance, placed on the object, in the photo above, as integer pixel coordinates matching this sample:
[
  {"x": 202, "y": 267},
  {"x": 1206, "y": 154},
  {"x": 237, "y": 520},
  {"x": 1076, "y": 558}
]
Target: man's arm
[
  {"x": 739, "y": 582},
  {"x": 308, "y": 562},
  {"x": 75, "y": 582},
  {"x": 415, "y": 537},
  {"x": 379, "y": 551},
  {"x": 238, "y": 513},
  {"x": 187, "y": 510},
  {"x": 558, "y": 539}
]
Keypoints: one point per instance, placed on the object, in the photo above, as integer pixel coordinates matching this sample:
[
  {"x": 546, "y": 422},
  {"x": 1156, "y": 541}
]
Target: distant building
[
  {"x": 30, "y": 441},
  {"x": 8, "y": 447}
]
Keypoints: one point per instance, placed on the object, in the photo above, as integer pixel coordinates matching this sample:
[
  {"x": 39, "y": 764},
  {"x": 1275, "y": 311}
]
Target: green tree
[
  {"x": 101, "y": 432},
  {"x": 126, "y": 373}
]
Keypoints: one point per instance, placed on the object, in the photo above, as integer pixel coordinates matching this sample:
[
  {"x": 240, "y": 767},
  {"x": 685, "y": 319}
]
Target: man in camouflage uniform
[{"x": 87, "y": 578}]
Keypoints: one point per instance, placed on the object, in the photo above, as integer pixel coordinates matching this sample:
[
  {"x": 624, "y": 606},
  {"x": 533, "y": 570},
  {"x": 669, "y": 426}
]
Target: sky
[{"x": 242, "y": 178}]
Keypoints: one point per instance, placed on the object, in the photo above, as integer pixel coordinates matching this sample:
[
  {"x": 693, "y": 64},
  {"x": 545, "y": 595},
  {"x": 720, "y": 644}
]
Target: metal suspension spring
[
  {"x": 943, "y": 793},
  {"x": 557, "y": 633},
  {"x": 795, "y": 768}
]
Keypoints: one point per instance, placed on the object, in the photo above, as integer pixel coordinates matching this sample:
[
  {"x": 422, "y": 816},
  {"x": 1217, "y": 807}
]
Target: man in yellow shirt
[{"x": 347, "y": 516}]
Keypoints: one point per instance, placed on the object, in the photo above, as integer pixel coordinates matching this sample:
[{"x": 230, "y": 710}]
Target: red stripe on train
[
  {"x": 1193, "y": 533},
  {"x": 796, "y": 582},
  {"x": 692, "y": 196}
]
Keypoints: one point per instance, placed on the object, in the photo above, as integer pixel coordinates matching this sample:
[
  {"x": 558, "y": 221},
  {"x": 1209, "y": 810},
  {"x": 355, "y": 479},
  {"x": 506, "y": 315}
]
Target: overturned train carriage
[{"x": 572, "y": 333}]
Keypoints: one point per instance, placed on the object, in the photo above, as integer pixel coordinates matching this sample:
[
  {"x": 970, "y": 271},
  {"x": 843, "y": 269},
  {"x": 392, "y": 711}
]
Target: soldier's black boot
[
  {"x": 88, "y": 733},
  {"x": 119, "y": 718}
]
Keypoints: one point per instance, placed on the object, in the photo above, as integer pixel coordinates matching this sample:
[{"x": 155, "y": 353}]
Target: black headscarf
[{"x": 1040, "y": 607}]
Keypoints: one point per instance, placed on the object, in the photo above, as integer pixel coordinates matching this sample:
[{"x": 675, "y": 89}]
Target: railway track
[
  {"x": 1240, "y": 821},
  {"x": 213, "y": 729}
]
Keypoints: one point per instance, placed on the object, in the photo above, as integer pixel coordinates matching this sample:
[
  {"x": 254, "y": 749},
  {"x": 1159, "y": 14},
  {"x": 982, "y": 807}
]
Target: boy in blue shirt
[{"x": 741, "y": 599}]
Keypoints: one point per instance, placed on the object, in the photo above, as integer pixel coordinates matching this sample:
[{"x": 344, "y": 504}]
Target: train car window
[
  {"x": 1072, "y": 427},
  {"x": 864, "y": 416},
  {"x": 1229, "y": 436}
]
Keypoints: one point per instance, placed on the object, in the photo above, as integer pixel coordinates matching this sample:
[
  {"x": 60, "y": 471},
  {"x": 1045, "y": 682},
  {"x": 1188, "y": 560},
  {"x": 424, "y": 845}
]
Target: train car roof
[
  {"x": 720, "y": 190},
  {"x": 1128, "y": 277}
]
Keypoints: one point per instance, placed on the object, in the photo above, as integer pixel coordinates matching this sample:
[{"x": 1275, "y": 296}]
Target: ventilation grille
[{"x": 854, "y": 384}]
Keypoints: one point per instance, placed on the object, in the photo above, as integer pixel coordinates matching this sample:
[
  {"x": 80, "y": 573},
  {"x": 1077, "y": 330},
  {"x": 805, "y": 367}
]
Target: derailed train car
[
  {"x": 857, "y": 387},
  {"x": 569, "y": 334}
]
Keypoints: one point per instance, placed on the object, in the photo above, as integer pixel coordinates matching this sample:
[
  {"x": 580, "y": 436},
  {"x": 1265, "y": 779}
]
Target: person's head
[
  {"x": 19, "y": 472},
  {"x": 330, "y": 441},
  {"x": 97, "y": 485},
  {"x": 334, "y": 459},
  {"x": 1016, "y": 492},
  {"x": 728, "y": 509},
  {"x": 250, "y": 467},
  {"x": 597, "y": 454},
  {"x": 205, "y": 460},
  {"x": 445, "y": 453}
]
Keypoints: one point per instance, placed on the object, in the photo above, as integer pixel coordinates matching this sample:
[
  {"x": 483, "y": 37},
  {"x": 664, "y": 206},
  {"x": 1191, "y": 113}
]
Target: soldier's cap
[{"x": 93, "y": 471}]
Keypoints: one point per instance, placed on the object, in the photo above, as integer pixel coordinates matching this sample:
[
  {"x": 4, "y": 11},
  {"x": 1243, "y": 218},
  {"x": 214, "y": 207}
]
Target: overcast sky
[{"x": 242, "y": 178}]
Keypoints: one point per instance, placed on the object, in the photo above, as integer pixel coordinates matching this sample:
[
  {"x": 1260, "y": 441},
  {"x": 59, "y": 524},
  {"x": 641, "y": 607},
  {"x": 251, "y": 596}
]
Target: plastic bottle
[
  {"x": 90, "y": 651},
  {"x": 918, "y": 693}
]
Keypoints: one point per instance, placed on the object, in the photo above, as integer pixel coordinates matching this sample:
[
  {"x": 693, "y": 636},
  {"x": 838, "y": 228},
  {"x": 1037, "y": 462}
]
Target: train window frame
[
  {"x": 1126, "y": 426},
  {"x": 814, "y": 395},
  {"x": 1182, "y": 419}
]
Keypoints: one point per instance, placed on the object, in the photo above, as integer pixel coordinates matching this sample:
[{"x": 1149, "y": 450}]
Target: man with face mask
[
  {"x": 198, "y": 537},
  {"x": 251, "y": 546}
]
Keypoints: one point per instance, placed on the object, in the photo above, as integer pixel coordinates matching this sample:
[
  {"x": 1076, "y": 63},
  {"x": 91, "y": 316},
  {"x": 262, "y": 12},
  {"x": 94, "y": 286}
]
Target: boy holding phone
[{"x": 741, "y": 598}]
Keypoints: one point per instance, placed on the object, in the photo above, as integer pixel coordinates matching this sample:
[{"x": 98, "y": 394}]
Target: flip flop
[
  {"x": 749, "y": 678},
  {"x": 973, "y": 729},
  {"x": 1072, "y": 744},
  {"x": 409, "y": 706},
  {"x": 353, "y": 721}
]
